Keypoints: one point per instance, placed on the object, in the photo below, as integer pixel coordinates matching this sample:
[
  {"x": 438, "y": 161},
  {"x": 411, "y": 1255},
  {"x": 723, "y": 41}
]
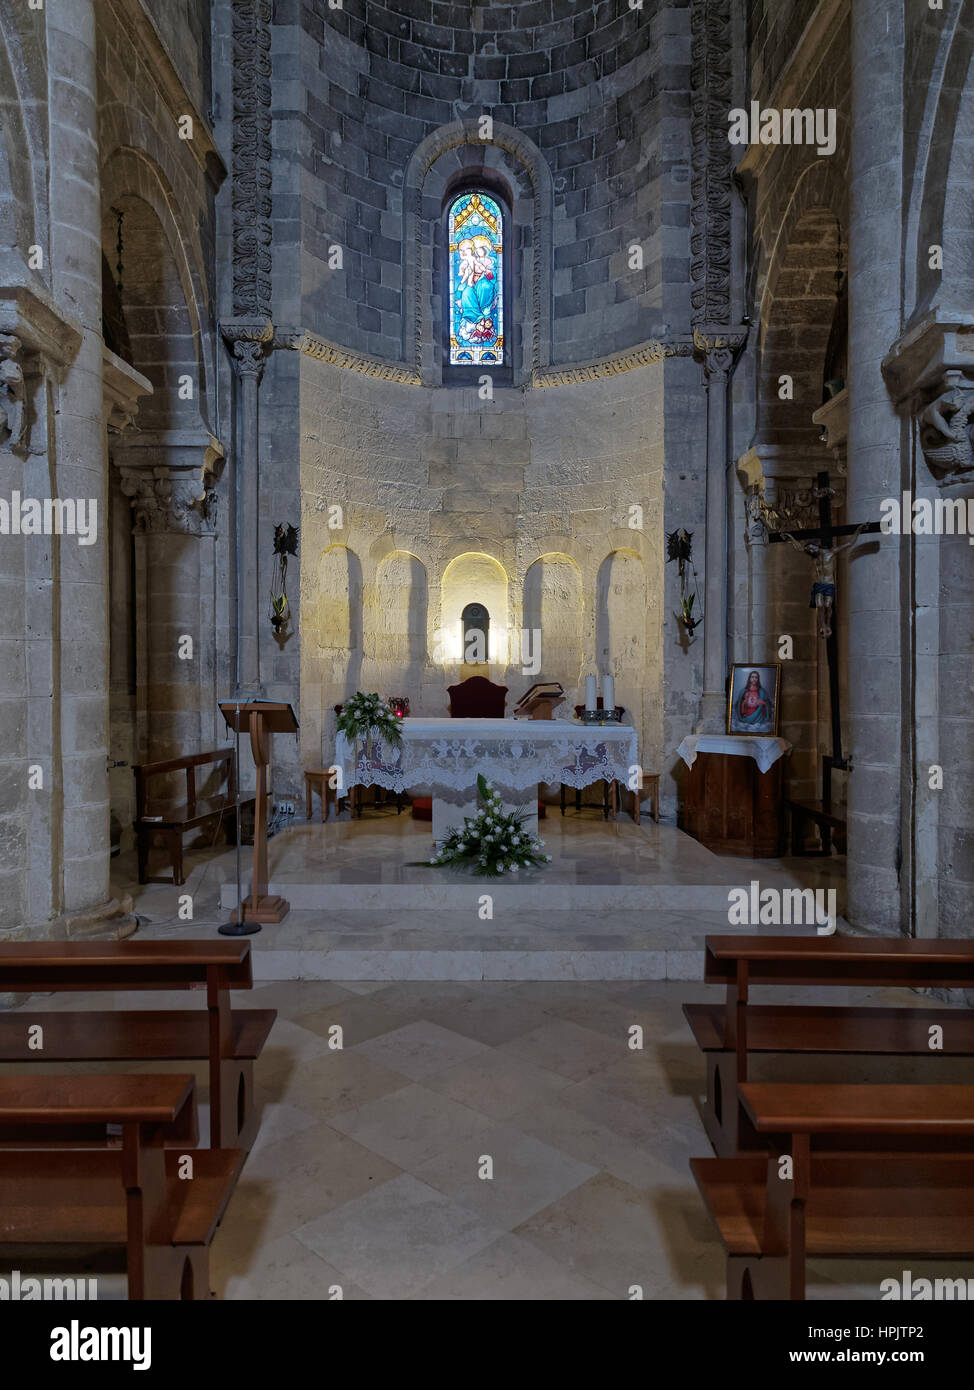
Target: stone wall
[
  {"x": 359, "y": 88},
  {"x": 524, "y": 502}
]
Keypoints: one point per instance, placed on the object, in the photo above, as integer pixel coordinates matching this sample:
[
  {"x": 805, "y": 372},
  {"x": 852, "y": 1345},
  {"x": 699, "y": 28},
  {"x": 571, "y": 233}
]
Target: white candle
[
  {"x": 608, "y": 693},
  {"x": 591, "y": 701}
]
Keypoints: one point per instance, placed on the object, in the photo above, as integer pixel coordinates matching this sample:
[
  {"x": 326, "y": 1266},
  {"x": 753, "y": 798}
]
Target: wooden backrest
[
  {"x": 477, "y": 698},
  {"x": 868, "y": 961},
  {"x": 146, "y": 772},
  {"x": 32, "y": 967}
]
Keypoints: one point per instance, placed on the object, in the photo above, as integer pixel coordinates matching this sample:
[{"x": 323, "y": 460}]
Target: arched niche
[
  {"x": 474, "y": 577},
  {"x": 620, "y": 621},
  {"x": 338, "y": 600},
  {"x": 552, "y": 616},
  {"x": 398, "y": 622}
]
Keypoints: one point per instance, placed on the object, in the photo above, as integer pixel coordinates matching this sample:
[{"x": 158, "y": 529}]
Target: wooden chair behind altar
[{"x": 477, "y": 698}]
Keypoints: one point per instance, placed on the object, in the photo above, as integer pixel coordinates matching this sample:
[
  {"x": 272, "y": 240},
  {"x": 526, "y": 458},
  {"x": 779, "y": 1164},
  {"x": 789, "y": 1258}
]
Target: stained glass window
[{"x": 476, "y": 280}]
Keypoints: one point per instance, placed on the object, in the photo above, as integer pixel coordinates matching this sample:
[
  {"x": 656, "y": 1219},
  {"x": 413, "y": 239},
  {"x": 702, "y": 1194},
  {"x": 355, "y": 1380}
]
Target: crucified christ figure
[{"x": 823, "y": 589}]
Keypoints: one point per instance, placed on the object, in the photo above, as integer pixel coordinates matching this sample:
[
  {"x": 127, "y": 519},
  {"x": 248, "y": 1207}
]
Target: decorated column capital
[
  {"x": 171, "y": 481},
  {"x": 13, "y": 394},
  {"x": 930, "y": 369}
]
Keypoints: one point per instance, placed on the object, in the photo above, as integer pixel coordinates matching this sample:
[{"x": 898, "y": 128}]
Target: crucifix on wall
[{"x": 820, "y": 543}]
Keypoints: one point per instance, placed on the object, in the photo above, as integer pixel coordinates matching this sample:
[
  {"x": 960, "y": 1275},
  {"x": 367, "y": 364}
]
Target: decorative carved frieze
[
  {"x": 251, "y": 195},
  {"x": 300, "y": 340},
  {"x": 711, "y": 161}
]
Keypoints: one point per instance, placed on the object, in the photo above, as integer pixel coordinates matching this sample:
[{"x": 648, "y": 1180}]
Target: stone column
[
  {"x": 76, "y": 457},
  {"x": 713, "y": 705},
  {"x": 248, "y": 366},
  {"x": 879, "y": 719}
]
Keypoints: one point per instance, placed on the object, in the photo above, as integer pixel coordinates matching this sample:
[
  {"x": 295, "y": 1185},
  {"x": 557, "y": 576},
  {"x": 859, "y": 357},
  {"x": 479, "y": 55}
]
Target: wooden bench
[
  {"x": 171, "y": 817},
  {"x": 819, "y": 813},
  {"x": 877, "y": 1171},
  {"x": 230, "y": 1041},
  {"x": 728, "y": 1032},
  {"x": 134, "y": 1196}
]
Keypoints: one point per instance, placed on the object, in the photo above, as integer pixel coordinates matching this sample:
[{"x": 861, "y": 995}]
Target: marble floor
[
  {"x": 484, "y": 1141},
  {"x": 618, "y": 901}
]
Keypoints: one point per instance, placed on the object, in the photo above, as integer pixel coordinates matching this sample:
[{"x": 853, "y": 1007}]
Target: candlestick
[{"x": 591, "y": 701}]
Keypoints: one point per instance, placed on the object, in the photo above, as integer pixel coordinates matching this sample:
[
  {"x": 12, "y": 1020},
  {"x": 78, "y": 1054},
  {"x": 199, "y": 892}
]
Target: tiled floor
[
  {"x": 617, "y": 902},
  {"x": 491, "y": 1140}
]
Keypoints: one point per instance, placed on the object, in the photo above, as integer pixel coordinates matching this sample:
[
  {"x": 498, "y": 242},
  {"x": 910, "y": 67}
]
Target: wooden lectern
[
  {"x": 540, "y": 700},
  {"x": 260, "y": 718}
]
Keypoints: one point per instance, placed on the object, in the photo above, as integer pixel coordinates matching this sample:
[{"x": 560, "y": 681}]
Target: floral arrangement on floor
[
  {"x": 368, "y": 717},
  {"x": 491, "y": 843}
]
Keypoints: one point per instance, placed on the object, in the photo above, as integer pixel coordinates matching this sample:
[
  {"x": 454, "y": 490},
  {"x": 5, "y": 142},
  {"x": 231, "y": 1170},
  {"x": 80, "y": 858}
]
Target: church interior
[{"x": 485, "y": 487}]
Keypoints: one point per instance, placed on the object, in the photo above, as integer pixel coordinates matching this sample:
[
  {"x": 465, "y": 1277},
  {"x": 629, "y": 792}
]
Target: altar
[{"x": 515, "y": 755}]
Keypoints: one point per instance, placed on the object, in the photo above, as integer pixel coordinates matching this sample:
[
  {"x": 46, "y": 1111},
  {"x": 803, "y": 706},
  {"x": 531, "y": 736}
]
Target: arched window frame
[{"x": 460, "y": 374}]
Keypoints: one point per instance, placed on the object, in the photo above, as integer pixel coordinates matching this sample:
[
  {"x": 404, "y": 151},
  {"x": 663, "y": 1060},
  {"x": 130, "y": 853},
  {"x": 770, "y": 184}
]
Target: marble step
[{"x": 467, "y": 893}]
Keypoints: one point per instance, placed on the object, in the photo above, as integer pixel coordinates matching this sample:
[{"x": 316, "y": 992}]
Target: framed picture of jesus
[{"x": 752, "y": 704}]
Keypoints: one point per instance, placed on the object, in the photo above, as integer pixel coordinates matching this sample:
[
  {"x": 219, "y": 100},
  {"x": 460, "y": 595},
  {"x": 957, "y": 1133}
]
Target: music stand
[{"x": 260, "y": 718}]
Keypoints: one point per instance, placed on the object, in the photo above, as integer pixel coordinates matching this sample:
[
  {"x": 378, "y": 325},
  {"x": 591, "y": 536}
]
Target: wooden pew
[
  {"x": 133, "y": 1196},
  {"x": 728, "y": 1032},
  {"x": 171, "y": 816},
  {"x": 877, "y": 1171},
  {"x": 230, "y": 1041}
]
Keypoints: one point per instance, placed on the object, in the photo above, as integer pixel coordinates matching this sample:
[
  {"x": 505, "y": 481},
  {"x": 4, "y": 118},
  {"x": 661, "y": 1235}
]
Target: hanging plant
[
  {"x": 491, "y": 843},
  {"x": 679, "y": 547},
  {"x": 368, "y": 716},
  {"x": 285, "y": 544}
]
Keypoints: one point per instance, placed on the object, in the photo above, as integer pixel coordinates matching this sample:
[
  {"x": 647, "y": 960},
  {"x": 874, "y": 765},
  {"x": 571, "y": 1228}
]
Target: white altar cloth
[
  {"x": 513, "y": 754},
  {"x": 764, "y": 749},
  {"x": 516, "y": 753}
]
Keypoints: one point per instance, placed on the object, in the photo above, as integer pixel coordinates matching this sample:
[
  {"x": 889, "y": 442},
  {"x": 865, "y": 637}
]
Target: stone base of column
[
  {"x": 713, "y": 713},
  {"x": 112, "y": 921}
]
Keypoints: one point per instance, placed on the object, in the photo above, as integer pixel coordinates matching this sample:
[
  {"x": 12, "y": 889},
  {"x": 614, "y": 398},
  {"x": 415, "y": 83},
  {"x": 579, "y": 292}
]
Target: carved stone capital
[
  {"x": 170, "y": 479},
  {"x": 931, "y": 369},
  {"x": 249, "y": 358},
  {"x": 249, "y": 341}
]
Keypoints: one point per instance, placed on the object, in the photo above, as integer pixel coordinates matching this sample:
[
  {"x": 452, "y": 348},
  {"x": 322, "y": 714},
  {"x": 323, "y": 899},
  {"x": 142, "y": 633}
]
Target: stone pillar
[
  {"x": 713, "y": 705},
  {"x": 76, "y": 456},
  {"x": 879, "y": 718}
]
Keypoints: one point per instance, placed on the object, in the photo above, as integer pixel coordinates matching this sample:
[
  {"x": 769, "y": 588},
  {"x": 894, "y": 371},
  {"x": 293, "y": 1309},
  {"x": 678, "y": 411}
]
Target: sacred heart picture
[{"x": 753, "y": 704}]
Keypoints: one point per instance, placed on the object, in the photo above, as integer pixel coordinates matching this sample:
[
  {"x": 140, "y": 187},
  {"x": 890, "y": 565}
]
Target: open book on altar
[{"x": 540, "y": 700}]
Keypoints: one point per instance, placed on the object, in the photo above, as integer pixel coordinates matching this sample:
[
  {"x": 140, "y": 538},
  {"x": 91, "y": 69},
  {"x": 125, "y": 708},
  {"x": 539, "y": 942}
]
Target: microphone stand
[{"x": 239, "y": 927}]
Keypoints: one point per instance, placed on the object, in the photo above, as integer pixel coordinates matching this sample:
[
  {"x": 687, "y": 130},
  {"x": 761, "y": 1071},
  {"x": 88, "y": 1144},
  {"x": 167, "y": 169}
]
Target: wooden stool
[
  {"x": 651, "y": 784},
  {"x": 317, "y": 781}
]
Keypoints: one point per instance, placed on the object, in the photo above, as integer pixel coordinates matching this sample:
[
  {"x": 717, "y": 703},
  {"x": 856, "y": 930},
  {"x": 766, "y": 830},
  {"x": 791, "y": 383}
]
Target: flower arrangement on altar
[
  {"x": 491, "y": 843},
  {"x": 368, "y": 717}
]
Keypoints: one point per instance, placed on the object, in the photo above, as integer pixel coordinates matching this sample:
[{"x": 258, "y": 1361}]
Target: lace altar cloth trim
[{"x": 515, "y": 755}]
